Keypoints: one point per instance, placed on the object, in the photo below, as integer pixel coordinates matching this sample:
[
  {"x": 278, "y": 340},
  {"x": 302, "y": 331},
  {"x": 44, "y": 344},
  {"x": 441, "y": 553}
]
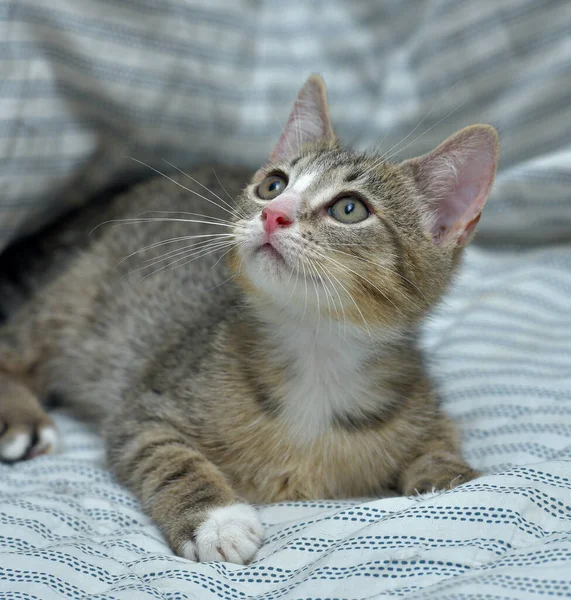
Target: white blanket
[
  {"x": 85, "y": 84},
  {"x": 502, "y": 355}
]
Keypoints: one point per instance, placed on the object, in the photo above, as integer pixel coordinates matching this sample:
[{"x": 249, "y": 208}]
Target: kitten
[{"x": 259, "y": 350}]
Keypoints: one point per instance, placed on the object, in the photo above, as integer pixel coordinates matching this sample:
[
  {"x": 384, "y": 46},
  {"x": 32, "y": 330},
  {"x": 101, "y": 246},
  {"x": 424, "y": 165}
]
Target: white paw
[
  {"x": 19, "y": 444},
  {"x": 231, "y": 534}
]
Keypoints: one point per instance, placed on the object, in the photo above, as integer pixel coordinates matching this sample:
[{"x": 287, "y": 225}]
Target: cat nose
[{"x": 274, "y": 218}]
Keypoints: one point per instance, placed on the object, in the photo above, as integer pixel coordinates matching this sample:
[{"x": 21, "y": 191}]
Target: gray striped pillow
[{"x": 86, "y": 84}]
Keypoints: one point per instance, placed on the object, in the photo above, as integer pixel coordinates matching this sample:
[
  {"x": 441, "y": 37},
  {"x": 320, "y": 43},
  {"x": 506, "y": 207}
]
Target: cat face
[
  {"x": 317, "y": 235},
  {"x": 350, "y": 236}
]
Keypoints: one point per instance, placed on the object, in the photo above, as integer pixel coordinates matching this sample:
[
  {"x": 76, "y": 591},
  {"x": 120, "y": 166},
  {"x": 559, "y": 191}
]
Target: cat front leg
[
  {"x": 439, "y": 464},
  {"x": 185, "y": 494},
  {"x": 26, "y": 430}
]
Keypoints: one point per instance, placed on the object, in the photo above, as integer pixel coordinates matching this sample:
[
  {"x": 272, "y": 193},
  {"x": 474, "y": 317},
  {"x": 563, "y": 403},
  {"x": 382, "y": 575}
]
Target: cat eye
[
  {"x": 272, "y": 187},
  {"x": 349, "y": 210}
]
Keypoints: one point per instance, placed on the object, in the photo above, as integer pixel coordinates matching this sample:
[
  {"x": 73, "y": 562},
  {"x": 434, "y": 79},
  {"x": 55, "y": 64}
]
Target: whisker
[
  {"x": 179, "y": 251},
  {"x": 185, "y": 254},
  {"x": 387, "y": 269},
  {"x": 290, "y": 276},
  {"x": 342, "y": 266},
  {"x": 222, "y": 283},
  {"x": 223, "y": 188},
  {"x": 184, "y": 187},
  {"x": 233, "y": 208},
  {"x": 283, "y": 130},
  {"x": 136, "y": 220},
  {"x": 422, "y": 120},
  {"x": 297, "y": 125},
  {"x": 365, "y": 279},
  {"x": 294, "y": 285},
  {"x": 183, "y": 212},
  {"x": 326, "y": 290},
  {"x": 386, "y": 156},
  {"x": 170, "y": 241},
  {"x": 173, "y": 265},
  {"x": 335, "y": 305},
  {"x": 318, "y": 304},
  {"x": 355, "y": 304},
  {"x": 429, "y": 129},
  {"x": 329, "y": 275},
  {"x": 305, "y": 282},
  {"x": 225, "y": 253}
]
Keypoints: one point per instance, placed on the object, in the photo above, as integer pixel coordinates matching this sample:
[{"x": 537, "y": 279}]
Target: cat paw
[
  {"x": 26, "y": 431},
  {"x": 230, "y": 534},
  {"x": 25, "y": 441},
  {"x": 437, "y": 478}
]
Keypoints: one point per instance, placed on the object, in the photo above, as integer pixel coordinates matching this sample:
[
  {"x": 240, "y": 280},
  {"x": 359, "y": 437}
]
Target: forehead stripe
[
  {"x": 301, "y": 183},
  {"x": 352, "y": 176}
]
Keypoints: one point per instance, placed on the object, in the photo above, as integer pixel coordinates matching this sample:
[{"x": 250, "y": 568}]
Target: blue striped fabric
[
  {"x": 501, "y": 354},
  {"x": 86, "y": 84}
]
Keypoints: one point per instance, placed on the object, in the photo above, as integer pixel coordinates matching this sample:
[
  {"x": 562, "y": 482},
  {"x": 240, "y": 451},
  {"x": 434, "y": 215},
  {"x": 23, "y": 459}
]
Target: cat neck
[{"x": 331, "y": 372}]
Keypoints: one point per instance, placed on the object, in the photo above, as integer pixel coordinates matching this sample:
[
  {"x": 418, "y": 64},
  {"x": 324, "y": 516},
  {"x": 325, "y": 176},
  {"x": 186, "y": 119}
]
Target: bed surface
[
  {"x": 86, "y": 84},
  {"x": 502, "y": 357}
]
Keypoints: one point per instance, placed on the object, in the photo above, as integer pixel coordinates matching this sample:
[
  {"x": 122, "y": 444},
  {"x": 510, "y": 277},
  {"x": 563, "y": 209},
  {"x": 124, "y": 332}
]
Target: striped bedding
[
  {"x": 502, "y": 356},
  {"x": 86, "y": 84}
]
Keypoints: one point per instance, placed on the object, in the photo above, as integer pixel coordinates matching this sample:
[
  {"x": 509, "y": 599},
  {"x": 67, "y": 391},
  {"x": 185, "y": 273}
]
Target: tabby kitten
[{"x": 259, "y": 350}]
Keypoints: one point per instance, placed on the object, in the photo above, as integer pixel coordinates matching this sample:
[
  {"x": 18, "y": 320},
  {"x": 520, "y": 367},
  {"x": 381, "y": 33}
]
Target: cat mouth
[{"x": 268, "y": 250}]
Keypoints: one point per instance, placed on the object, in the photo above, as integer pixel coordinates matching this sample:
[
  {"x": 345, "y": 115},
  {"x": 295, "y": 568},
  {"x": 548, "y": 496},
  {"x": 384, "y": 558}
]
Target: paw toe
[
  {"x": 188, "y": 551},
  {"x": 47, "y": 441},
  {"x": 231, "y": 533},
  {"x": 423, "y": 481},
  {"x": 21, "y": 442},
  {"x": 14, "y": 445}
]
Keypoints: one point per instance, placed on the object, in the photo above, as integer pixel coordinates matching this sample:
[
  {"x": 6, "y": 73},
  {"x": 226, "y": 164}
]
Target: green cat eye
[
  {"x": 349, "y": 210},
  {"x": 271, "y": 187}
]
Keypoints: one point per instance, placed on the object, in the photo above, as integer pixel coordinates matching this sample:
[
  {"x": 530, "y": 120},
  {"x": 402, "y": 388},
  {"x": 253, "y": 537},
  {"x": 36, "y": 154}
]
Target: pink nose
[{"x": 273, "y": 218}]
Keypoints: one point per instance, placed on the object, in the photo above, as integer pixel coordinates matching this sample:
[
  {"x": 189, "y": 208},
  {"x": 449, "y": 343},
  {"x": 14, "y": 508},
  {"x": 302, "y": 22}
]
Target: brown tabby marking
[{"x": 278, "y": 360}]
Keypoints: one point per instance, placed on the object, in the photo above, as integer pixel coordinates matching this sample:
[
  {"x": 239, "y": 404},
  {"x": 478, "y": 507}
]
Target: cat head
[{"x": 351, "y": 235}]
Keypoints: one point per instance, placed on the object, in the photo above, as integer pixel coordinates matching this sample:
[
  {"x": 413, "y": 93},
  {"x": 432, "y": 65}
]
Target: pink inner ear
[
  {"x": 456, "y": 179},
  {"x": 461, "y": 206}
]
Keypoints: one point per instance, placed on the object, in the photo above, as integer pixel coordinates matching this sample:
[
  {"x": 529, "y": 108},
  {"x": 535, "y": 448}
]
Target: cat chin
[
  {"x": 271, "y": 261},
  {"x": 266, "y": 264},
  {"x": 287, "y": 290}
]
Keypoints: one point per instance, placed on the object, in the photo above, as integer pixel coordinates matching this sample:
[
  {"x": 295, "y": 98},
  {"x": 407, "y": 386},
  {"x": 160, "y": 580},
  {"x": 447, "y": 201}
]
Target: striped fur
[{"x": 218, "y": 383}]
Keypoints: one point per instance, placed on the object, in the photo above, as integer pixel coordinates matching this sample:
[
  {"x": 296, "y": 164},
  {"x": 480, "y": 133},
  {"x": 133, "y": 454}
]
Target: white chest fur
[{"x": 328, "y": 377}]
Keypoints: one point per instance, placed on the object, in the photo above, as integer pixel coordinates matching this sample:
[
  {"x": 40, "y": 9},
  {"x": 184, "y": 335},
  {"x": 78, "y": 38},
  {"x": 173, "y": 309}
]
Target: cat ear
[
  {"x": 455, "y": 180},
  {"x": 308, "y": 122}
]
